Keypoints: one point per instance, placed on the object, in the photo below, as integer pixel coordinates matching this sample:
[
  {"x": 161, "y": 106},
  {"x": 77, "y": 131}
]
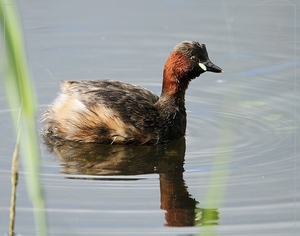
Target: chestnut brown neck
[{"x": 175, "y": 78}]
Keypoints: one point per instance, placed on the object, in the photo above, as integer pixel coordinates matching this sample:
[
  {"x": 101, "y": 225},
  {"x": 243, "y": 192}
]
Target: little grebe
[{"x": 107, "y": 111}]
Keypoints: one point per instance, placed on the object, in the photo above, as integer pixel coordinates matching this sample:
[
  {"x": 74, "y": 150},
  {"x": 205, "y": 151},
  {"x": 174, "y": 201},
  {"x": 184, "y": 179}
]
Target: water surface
[{"x": 237, "y": 168}]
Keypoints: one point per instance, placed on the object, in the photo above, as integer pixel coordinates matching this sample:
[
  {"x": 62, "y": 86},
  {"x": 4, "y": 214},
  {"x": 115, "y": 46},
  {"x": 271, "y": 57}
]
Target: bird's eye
[{"x": 194, "y": 59}]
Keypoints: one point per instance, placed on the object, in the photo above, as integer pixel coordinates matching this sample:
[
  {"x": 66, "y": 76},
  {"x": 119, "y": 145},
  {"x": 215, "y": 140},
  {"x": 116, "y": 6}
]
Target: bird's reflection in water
[{"x": 112, "y": 160}]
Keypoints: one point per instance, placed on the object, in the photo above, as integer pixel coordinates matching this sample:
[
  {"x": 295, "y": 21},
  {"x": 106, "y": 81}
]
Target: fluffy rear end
[{"x": 68, "y": 118}]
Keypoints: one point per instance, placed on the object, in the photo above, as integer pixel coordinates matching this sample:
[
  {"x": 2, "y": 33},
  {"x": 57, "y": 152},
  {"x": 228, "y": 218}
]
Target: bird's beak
[{"x": 209, "y": 66}]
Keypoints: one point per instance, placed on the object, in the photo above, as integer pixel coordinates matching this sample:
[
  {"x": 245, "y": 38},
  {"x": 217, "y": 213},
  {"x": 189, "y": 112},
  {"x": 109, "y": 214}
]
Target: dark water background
[{"x": 238, "y": 166}]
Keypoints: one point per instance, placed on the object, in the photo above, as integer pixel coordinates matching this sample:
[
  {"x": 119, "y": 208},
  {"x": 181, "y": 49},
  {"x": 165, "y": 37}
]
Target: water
[{"x": 239, "y": 161}]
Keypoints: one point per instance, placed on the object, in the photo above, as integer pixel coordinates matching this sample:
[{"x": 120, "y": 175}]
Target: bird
[{"x": 115, "y": 112}]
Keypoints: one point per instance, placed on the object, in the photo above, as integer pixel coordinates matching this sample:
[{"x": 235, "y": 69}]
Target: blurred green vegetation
[{"x": 20, "y": 95}]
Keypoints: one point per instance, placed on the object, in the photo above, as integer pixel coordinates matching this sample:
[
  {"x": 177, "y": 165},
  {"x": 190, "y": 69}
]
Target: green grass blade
[{"x": 20, "y": 93}]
